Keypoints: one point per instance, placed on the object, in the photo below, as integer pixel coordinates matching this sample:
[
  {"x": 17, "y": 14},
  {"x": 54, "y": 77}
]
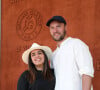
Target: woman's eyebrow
[
  {"x": 32, "y": 53},
  {"x": 39, "y": 51}
]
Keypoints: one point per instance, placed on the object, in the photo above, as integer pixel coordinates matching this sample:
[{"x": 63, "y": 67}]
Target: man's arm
[{"x": 86, "y": 82}]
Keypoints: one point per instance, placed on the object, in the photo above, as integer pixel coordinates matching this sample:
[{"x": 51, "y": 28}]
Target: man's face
[{"x": 57, "y": 30}]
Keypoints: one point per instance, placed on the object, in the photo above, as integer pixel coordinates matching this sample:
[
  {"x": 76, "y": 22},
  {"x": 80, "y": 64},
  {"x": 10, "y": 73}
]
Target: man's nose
[{"x": 55, "y": 30}]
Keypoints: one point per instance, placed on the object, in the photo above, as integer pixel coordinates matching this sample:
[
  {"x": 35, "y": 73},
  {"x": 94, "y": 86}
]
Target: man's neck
[{"x": 59, "y": 42}]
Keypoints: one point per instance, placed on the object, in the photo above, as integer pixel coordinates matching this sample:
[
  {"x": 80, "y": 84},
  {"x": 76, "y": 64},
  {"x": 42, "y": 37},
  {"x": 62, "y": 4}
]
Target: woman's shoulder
[
  {"x": 52, "y": 71},
  {"x": 25, "y": 72},
  {"x": 24, "y": 75},
  {"x": 22, "y": 81}
]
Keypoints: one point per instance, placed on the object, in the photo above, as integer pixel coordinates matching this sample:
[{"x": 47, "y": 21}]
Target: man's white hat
[{"x": 46, "y": 49}]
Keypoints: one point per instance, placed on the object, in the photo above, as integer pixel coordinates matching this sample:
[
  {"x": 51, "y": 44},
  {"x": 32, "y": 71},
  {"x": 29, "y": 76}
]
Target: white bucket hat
[{"x": 46, "y": 49}]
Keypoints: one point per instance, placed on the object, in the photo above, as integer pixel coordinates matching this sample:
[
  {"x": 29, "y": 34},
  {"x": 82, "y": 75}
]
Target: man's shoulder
[
  {"x": 73, "y": 42},
  {"x": 76, "y": 41}
]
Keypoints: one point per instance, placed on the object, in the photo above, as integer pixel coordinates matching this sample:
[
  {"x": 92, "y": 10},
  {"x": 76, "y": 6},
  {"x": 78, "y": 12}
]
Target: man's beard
[{"x": 61, "y": 37}]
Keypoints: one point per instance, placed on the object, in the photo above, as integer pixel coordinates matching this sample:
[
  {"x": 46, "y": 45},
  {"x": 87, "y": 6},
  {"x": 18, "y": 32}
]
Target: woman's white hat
[{"x": 46, "y": 49}]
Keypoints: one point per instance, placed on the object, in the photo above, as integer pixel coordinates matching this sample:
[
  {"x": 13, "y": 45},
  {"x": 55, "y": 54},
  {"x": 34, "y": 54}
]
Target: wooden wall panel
[{"x": 23, "y": 22}]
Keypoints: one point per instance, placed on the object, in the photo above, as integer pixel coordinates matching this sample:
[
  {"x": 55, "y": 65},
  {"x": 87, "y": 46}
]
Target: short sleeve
[
  {"x": 83, "y": 58},
  {"x": 22, "y": 82}
]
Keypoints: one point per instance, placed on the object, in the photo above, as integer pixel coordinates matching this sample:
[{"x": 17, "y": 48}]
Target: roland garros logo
[{"x": 29, "y": 24}]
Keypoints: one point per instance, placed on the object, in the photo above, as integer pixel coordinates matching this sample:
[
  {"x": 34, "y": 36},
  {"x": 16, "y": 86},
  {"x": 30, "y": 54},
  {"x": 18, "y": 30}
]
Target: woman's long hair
[{"x": 47, "y": 74}]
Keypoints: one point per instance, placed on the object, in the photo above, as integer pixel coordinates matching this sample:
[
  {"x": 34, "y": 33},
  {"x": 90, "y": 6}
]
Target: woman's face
[{"x": 37, "y": 57}]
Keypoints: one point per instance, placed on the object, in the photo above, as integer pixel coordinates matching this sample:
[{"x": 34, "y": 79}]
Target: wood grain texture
[{"x": 23, "y": 22}]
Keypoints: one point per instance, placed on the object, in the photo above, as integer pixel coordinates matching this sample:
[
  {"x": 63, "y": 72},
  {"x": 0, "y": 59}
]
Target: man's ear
[{"x": 66, "y": 27}]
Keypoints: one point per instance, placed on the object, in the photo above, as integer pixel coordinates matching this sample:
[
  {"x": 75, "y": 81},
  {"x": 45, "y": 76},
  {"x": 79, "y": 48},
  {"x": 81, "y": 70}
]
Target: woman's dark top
[{"x": 38, "y": 84}]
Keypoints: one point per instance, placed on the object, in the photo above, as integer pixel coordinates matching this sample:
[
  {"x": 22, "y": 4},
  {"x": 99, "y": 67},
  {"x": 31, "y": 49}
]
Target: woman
[{"x": 39, "y": 76}]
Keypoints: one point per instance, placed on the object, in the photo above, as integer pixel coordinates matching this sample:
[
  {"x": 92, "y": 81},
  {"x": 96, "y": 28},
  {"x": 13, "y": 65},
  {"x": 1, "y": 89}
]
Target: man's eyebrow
[{"x": 58, "y": 25}]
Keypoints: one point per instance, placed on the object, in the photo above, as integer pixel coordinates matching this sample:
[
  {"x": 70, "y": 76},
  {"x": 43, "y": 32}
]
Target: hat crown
[
  {"x": 56, "y": 18},
  {"x": 35, "y": 45}
]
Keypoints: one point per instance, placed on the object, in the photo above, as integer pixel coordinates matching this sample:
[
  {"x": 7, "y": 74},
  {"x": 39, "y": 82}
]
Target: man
[{"x": 72, "y": 61}]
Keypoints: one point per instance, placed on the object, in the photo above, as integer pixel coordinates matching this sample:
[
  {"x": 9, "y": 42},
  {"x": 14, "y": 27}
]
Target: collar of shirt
[{"x": 65, "y": 41}]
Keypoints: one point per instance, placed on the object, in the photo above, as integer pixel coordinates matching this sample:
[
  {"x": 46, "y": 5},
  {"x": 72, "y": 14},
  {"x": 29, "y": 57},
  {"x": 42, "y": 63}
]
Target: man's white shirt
[{"x": 70, "y": 61}]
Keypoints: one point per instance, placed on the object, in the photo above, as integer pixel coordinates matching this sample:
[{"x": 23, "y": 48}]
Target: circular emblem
[{"x": 29, "y": 24}]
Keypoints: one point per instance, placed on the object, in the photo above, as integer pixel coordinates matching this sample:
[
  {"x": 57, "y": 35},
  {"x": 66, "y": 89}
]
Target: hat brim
[{"x": 46, "y": 49}]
